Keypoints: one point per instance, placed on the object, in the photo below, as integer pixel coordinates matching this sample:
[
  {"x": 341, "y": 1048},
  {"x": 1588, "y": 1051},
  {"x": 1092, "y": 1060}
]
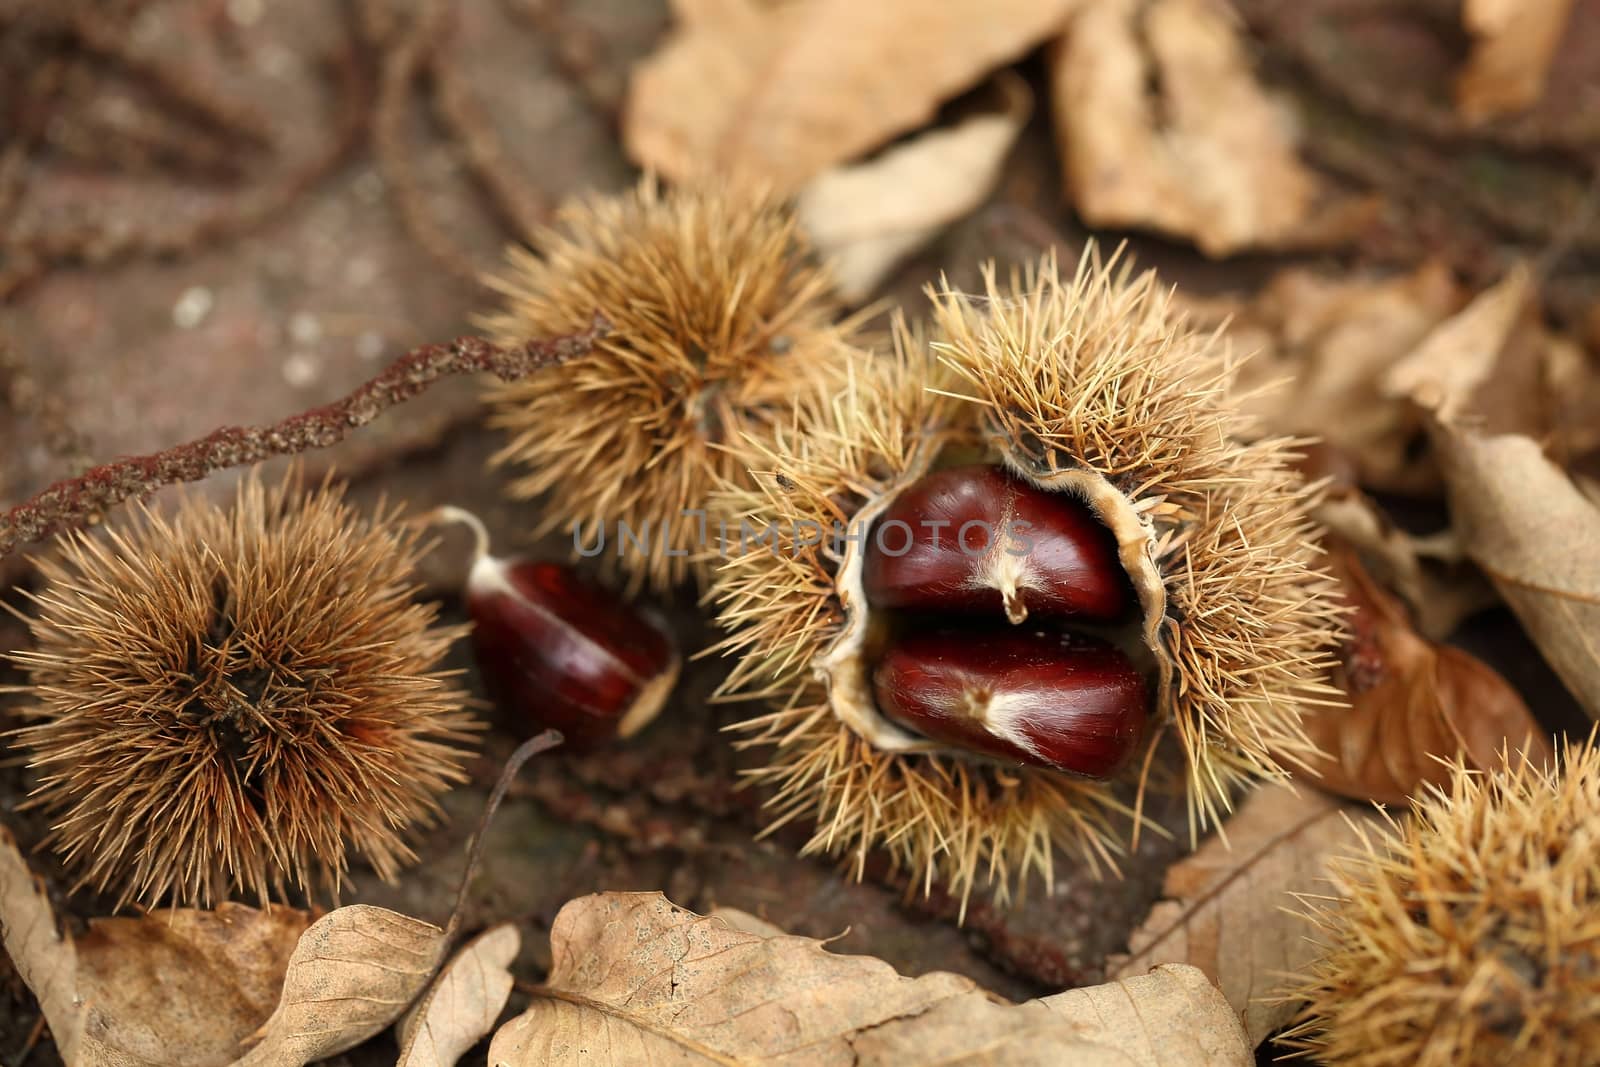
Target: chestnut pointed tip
[{"x": 1016, "y": 607}]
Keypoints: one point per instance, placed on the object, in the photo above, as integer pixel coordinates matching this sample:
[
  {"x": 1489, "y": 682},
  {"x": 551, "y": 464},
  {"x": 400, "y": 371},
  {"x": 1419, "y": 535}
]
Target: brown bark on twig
[{"x": 72, "y": 503}]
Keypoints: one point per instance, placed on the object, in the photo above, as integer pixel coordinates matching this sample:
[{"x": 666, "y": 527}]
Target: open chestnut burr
[
  {"x": 558, "y": 651},
  {"x": 1135, "y": 566}
]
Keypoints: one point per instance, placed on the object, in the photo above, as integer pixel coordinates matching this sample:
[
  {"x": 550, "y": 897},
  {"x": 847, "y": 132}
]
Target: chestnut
[
  {"x": 1028, "y": 696},
  {"x": 560, "y": 651},
  {"x": 978, "y": 539}
]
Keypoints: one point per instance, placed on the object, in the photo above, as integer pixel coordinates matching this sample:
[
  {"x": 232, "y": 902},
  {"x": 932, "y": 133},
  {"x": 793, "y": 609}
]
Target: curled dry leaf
[
  {"x": 1519, "y": 516},
  {"x": 779, "y": 93},
  {"x": 173, "y": 986},
  {"x": 1430, "y": 574},
  {"x": 1495, "y": 363},
  {"x": 185, "y": 986},
  {"x": 636, "y": 979},
  {"x": 743, "y": 921},
  {"x": 1453, "y": 362},
  {"x": 1223, "y": 910},
  {"x": 1317, "y": 347},
  {"x": 44, "y": 957},
  {"x": 866, "y": 218},
  {"x": 352, "y": 974},
  {"x": 461, "y": 1005},
  {"x": 1206, "y": 155},
  {"x": 1514, "y": 41},
  {"x": 1537, "y": 536},
  {"x": 1414, "y": 704},
  {"x": 1196, "y": 1023}
]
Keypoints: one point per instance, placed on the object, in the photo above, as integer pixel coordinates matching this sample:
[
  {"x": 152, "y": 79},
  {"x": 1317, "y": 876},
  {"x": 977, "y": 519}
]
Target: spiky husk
[
  {"x": 238, "y": 699},
  {"x": 1469, "y": 934},
  {"x": 717, "y": 319},
  {"x": 1093, "y": 373}
]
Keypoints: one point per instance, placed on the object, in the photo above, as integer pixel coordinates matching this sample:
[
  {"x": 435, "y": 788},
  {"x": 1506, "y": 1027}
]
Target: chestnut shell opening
[{"x": 873, "y": 632}]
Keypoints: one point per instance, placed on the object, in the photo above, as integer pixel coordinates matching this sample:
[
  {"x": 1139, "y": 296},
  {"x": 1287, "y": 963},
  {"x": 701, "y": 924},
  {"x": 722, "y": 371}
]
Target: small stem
[
  {"x": 450, "y": 513},
  {"x": 526, "y": 751}
]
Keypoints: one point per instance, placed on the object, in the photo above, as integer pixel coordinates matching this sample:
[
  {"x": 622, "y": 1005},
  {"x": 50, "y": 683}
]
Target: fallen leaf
[
  {"x": 1413, "y": 704},
  {"x": 462, "y": 1004},
  {"x": 1430, "y": 574},
  {"x": 1519, "y": 516},
  {"x": 868, "y": 217},
  {"x": 45, "y": 958},
  {"x": 185, "y": 986},
  {"x": 636, "y": 979},
  {"x": 352, "y": 974},
  {"x": 1172, "y": 1016},
  {"x": 1514, "y": 41},
  {"x": 1163, "y": 125},
  {"x": 1453, "y": 362},
  {"x": 1223, "y": 910},
  {"x": 743, "y": 921},
  {"x": 173, "y": 986},
  {"x": 779, "y": 93},
  {"x": 1317, "y": 347},
  {"x": 1537, "y": 536}
]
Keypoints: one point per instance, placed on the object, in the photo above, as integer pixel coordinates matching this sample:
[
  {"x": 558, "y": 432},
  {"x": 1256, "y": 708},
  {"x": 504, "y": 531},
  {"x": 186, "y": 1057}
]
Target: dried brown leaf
[
  {"x": 1514, "y": 43},
  {"x": 1171, "y": 1017},
  {"x": 636, "y": 979},
  {"x": 1449, "y": 366},
  {"x": 173, "y": 986},
  {"x": 1323, "y": 344},
  {"x": 44, "y": 957},
  {"x": 462, "y": 1004},
  {"x": 1519, "y": 516},
  {"x": 1495, "y": 365},
  {"x": 352, "y": 974},
  {"x": 1537, "y": 536},
  {"x": 780, "y": 93},
  {"x": 184, "y": 985},
  {"x": 867, "y": 217},
  {"x": 1224, "y": 907},
  {"x": 1430, "y": 574},
  {"x": 1413, "y": 705},
  {"x": 1206, "y": 155},
  {"x": 744, "y": 922}
]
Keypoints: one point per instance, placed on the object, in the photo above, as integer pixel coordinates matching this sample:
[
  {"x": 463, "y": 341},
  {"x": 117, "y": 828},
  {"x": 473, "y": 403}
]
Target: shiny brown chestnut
[
  {"x": 1021, "y": 695},
  {"x": 978, "y": 540},
  {"x": 559, "y": 651}
]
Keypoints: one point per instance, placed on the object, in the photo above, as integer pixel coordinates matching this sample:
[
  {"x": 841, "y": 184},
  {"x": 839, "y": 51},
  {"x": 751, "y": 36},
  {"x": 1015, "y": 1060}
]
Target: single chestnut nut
[
  {"x": 1036, "y": 697},
  {"x": 977, "y": 539},
  {"x": 559, "y": 651}
]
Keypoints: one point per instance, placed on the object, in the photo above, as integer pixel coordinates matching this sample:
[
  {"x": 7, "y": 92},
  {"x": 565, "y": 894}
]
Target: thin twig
[
  {"x": 74, "y": 502},
  {"x": 35, "y": 1032},
  {"x": 230, "y": 118},
  {"x": 525, "y": 751},
  {"x": 578, "y": 53},
  {"x": 513, "y": 198},
  {"x": 97, "y": 244},
  {"x": 403, "y": 62}
]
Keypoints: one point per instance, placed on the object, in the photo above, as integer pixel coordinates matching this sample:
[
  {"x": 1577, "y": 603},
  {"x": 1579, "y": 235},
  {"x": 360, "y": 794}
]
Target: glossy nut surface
[
  {"x": 560, "y": 651},
  {"x": 1018, "y": 694},
  {"x": 978, "y": 540}
]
